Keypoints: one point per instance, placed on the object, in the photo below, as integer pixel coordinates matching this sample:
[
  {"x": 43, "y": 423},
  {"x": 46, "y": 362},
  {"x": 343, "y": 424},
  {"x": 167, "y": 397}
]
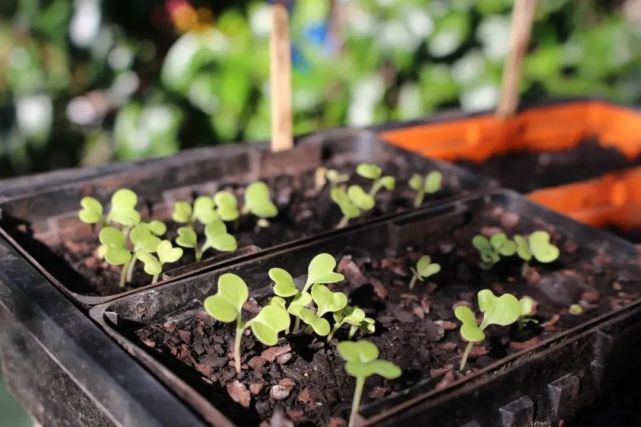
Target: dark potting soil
[
  {"x": 632, "y": 235},
  {"x": 303, "y": 378},
  {"x": 526, "y": 171},
  {"x": 303, "y": 211}
]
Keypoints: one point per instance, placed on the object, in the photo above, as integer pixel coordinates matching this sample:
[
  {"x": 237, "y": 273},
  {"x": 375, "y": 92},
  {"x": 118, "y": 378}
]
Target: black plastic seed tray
[
  {"x": 543, "y": 383},
  {"x": 41, "y": 219}
]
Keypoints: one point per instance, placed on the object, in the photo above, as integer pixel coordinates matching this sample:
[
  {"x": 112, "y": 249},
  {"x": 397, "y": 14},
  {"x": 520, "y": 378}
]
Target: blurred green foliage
[{"x": 88, "y": 81}]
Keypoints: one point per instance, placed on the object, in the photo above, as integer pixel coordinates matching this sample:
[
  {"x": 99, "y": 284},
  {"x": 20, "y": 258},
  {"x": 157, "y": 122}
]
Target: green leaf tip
[
  {"x": 368, "y": 170},
  {"x": 362, "y": 360},
  {"x": 92, "y": 210},
  {"x": 226, "y": 305},
  {"x": 258, "y": 201},
  {"x": 321, "y": 270}
]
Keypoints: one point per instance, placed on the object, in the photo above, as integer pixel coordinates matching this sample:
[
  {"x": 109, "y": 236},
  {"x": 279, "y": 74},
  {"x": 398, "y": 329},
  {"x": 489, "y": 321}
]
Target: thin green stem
[
  {"x": 296, "y": 325},
  {"x": 199, "y": 252},
  {"x": 123, "y": 276},
  {"x": 375, "y": 187},
  {"x": 525, "y": 269},
  {"x": 413, "y": 281},
  {"x": 466, "y": 354},
  {"x": 240, "y": 328},
  {"x": 155, "y": 278},
  {"x": 343, "y": 222},
  {"x": 356, "y": 402},
  {"x": 337, "y": 326},
  {"x": 418, "y": 201},
  {"x": 130, "y": 268}
]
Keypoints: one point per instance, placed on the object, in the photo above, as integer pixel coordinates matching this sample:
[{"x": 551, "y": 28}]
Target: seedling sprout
[
  {"x": 502, "y": 311},
  {"x": 424, "y": 269},
  {"x": 353, "y": 201},
  {"x": 493, "y": 248},
  {"x": 319, "y": 273},
  {"x": 153, "y": 264},
  {"x": 356, "y": 319},
  {"x": 575, "y": 309},
  {"x": 115, "y": 250},
  {"x": 428, "y": 184},
  {"x": 227, "y": 305},
  {"x": 362, "y": 362},
  {"x": 216, "y": 237},
  {"x": 258, "y": 202},
  {"x": 537, "y": 245}
]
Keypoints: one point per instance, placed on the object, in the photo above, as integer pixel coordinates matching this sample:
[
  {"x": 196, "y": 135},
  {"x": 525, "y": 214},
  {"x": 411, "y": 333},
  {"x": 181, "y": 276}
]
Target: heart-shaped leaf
[
  {"x": 280, "y": 302},
  {"x": 320, "y": 326},
  {"x": 502, "y": 311},
  {"x": 123, "y": 207},
  {"x": 360, "y": 198},
  {"x": 416, "y": 182},
  {"x": 361, "y": 351},
  {"x": 151, "y": 264},
  {"x": 321, "y": 270},
  {"x": 425, "y": 268},
  {"x": 327, "y": 301},
  {"x": 541, "y": 248},
  {"x": 350, "y": 315},
  {"x": 117, "y": 255},
  {"x": 383, "y": 368},
  {"x": 157, "y": 227},
  {"x": 502, "y": 244},
  {"x": 300, "y": 300},
  {"x": 522, "y": 248},
  {"x": 204, "y": 211},
  {"x": 335, "y": 177},
  {"x": 143, "y": 239},
  {"x": 226, "y": 305},
  {"x": 218, "y": 238},
  {"x": 226, "y": 206},
  {"x": 258, "y": 201},
  {"x": 167, "y": 253},
  {"x": 388, "y": 182},
  {"x": 347, "y": 207},
  {"x": 91, "y": 211},
  {"x": 368, "y": 170},
  {"x": 187, "y": 237},
  {"x": 527, "y": 305},
  {"x": 284, "y": 285},
  {"x": 433, "y": 182},
  {"x": 111, "y": 237},
  {"x": 269, "y": 322},
  {"x": 470, "y": 330},
  {"x": 181, "y": 212}
]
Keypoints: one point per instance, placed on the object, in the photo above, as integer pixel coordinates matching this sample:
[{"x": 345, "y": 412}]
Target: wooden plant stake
[
  {"x": 522, "y": 18},
  {"x": 280, "y": 79}
]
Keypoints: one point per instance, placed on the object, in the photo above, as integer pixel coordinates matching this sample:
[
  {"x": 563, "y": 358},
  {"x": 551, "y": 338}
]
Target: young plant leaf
[
  {"x": 416, "y": 182},
  {"x": 433, "y": 182},
  {"x": 227, "y": 304},
  {"x": 344, "y": 202},
  {"x": 335, "y": 178},
  {"x": 181, "y": 212},
  {"x": 218, "y": 238},
  {"x": 204, "y": 211},
  {"x": 300, "y": 300},
  {"x": 470, "y": 330},
  {"x": 91, "y": 212},
  {"x": 368, "y": 170},
  {"x": 284, "y": 285},
  {"x": 327, "y": 301},
  {"x": 116, "y": 252},
  {"x": 318, "y": 324},
  {"x": 522, "y": 248},
  {"x": 426, "y": 268},
  {"x": 258, "y": 201},
  {"x": 187, "y": 237},
  {"x": 503, "y": 310},
  {"x": 268, "y": 323},
  {"x": 502, "y": 244},
  {"x": 226, "y": 206},
  {"x": 360, "y": 198},
  {"x": 167, "y": 253},
  {"x": 152, "y": 266},
  {"x": 527, "y": 305},
  {"x": 143, "y": 239},
  {"x": 362, "y": 360},
  {"x": 388, "y": 182},
  {"x": 321, "y": 271},
  {"x": 541, "y": 248},
  {"x": 123, "y": 208},
  {"x": 157, "y": 227}
]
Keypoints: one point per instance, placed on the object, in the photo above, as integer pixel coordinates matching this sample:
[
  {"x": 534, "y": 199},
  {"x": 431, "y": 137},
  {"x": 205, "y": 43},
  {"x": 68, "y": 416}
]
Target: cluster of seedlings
[
  {"x": 205, "y": 224},
  {"x": 310, "y": 306}
]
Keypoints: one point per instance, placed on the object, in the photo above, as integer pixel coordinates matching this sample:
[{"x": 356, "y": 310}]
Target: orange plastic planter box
[{"x": 613, "y": 199}]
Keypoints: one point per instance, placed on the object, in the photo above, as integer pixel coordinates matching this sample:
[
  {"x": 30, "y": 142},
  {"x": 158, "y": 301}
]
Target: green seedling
[
  {"x": 536, "y": 246},
  {"x": 227, "y": 305},
  {"x": 115, "y": 250},
  {"x": 502, "y": 311},
  {"x": 203, "y": 210},
  {"x": 492, "y": 249},
  {"x": 122, "y": 211},
  {"x": 324, "y": 175},
  {"x": 153, "y": 264},
  {"x": 424, "y": 269},
  {"x": 428, "y": 184},
  {"x": 356, "y": 319},
  {"x": 145, "y": 241},
  {"x": 258, "y": 202},
  {"x": 226, "y": 206},
  {"x": 355, "y": 200},
  {"x": 575, "y": 309},
  {"x": 362, "y": 361},
  {"x": 319, "y": 272},
  {"x": 216, "y": 237}
]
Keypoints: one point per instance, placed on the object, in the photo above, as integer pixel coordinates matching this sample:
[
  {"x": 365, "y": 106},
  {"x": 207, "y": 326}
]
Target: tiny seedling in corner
[
  {"x": 428, "y": 184},
  {"x": 502, "y": 311},
  {"x": 424, "y": 269},
  {"x": 537, "y": 245},
  {"x": 492, "y": 249},
  {"x": 362, "y": 361},
  {"x": 319, "y": 273},
  {"x": 258, "y": 202},
  {"x": 216, "y": 237},
  {"x": 353, "y": 201},
  {"x": 115, "y": 250},
  {"x": 356, "y": 319},
  {"x": 122, "y": 212},
  {"x": 227, "y": 305}
]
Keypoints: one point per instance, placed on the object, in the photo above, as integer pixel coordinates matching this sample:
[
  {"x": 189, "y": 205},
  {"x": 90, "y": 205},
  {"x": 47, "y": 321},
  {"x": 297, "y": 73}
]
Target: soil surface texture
[{"x": 302, "y": 378}]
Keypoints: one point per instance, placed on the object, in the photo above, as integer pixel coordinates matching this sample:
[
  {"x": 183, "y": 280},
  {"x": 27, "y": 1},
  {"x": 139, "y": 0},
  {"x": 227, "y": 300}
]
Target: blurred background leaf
[{"x": 91, "y": 81}]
